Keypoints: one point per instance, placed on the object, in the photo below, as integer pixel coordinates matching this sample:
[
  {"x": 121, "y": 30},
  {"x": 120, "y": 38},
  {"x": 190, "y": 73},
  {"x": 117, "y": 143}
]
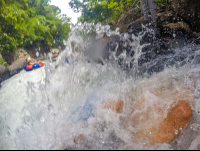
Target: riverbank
[{"x": 18, "y": 60}]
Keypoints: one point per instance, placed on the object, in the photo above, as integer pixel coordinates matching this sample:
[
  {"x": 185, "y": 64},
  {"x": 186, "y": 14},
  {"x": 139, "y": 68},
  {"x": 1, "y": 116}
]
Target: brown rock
[
  {"x": 177, "y": 119},
  {"x": 178, "y": 25},
  {"x": 161, "y": 113},
  {"x": 79, "y": 138},
  {"x": 3, "y": 69},
  {"x": 115, "y": 106},
  {"x": 127, "y": 18}
]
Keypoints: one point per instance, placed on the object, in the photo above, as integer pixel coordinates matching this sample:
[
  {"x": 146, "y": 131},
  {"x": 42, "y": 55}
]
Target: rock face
[
  {"x": 21, "y": 54},
  {"x": 17, "y": 66},
  {"x": 127, "y": 18},
  {"x": 176, "y": 28},
  {"x": 4, "y": 73},
  {"x": 189, "y": 11},
  {"x": 177, "y": 119}
]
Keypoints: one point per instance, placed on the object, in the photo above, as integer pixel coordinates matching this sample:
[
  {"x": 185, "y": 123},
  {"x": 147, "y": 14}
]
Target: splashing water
[{"x": 61, "y": 106}]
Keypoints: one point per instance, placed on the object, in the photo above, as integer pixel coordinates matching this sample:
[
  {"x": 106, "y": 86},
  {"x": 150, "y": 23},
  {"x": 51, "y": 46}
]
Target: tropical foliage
[
  {"x": 101, "y": 10},
  {"x": 25, "y": 23},
  {"x": 4, "y": 63},
  {"x": 104, "y": 10}
]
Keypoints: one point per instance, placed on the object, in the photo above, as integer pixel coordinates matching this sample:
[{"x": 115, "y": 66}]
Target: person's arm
[{"x": 40, "y": 62}]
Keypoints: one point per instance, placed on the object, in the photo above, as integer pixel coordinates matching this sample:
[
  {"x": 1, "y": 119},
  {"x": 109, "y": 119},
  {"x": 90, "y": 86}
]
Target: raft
[{"x": 32, "y": 67}]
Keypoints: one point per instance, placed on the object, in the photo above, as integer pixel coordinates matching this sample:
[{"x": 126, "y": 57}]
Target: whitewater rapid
[{"x": 49, "y": 107}]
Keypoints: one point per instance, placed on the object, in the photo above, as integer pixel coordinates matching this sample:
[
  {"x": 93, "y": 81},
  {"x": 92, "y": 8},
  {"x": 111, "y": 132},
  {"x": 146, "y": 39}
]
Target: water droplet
[
  {"x": 174, "y": 35},
  {"x": 195, "y": 127},
  {"x": 31, "y": 42},
  {"x": 38, "y": 23},
  {"x": 42, "y": 119},
  {"x": 57, "y": 51},
  {"x": 37, "y": 54},
  {"x": 50, "y": 54},
  {"x": 176, "y": 132}
]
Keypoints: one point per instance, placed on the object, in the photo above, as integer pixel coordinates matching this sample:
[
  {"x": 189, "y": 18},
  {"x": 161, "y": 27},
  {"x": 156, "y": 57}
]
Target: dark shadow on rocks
[{"x": 4, "y": 73}]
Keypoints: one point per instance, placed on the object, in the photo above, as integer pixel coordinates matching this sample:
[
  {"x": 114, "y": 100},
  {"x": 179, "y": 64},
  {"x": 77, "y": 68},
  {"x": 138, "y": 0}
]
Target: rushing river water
[{"x": 51, "y": 107}]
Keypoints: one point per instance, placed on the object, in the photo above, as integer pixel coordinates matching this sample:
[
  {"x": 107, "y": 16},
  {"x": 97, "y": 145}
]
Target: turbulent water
[{"x": 61, "y": 106}]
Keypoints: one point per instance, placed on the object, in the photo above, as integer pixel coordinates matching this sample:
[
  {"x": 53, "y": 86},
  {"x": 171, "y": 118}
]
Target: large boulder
[
  {"x": 127, "y": 18},
  {"x": 163, "y": 115},
  {"x": 21, "y": 54},
  {"x": 8, "y": 57},
  {"x": 170, "y": 128},
  {"x": 17, "y": 66},
  {"x": 4, "y": 73}
]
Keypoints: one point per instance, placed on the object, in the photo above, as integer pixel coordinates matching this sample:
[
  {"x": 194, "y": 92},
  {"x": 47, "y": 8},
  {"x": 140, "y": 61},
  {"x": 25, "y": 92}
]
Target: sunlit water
[{"x": 48, "y": 107}]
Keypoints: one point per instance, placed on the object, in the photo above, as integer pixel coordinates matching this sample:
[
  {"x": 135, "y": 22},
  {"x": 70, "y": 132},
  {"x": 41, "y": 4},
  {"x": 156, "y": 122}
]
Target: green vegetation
[
  {"x": 4, "y": 63},
  {"x": 101, "y": 10},
  {"x": 25, "y": 23},
  {"x": 161, "y": 1},
  {"x": 104, "y": 10}
]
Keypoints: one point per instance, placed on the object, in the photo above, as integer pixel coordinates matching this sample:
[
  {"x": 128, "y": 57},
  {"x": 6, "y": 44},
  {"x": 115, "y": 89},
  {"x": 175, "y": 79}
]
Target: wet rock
[
  {"x": 189, "y": 11},
  {"x": 177, "y": 119},
  {"x": 21, "y": 54},
  {"x": 8, "y": 57},
  {"x": 17, "y": 66},
  {"x": 4, "y": 73},
  {"x": 116, "y": 106},
  {"x": 79, "y": 138},
  {"x": 178, "y": 25},
  {"x": 127, "y": 18}
]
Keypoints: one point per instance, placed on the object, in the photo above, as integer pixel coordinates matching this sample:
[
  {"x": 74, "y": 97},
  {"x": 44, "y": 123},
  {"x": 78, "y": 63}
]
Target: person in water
[{"x": 31, "y": 62}]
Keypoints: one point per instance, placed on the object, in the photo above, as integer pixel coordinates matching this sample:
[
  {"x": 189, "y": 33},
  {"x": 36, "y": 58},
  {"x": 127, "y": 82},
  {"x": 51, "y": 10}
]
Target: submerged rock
[
  {"x": 160, "y": 114},
  {"x": 169, "y": 129},
  {"x": 116, "y": 106},
  {"x": 79, "y": 138}
]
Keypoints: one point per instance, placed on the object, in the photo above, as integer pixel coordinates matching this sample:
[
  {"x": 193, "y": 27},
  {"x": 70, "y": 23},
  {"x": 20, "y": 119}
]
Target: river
[{"x": 61, "y": 105}]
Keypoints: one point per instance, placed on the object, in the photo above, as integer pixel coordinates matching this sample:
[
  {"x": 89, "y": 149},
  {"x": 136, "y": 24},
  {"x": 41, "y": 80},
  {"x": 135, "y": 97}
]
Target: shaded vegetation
[{"x": 4, "y": 63}]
